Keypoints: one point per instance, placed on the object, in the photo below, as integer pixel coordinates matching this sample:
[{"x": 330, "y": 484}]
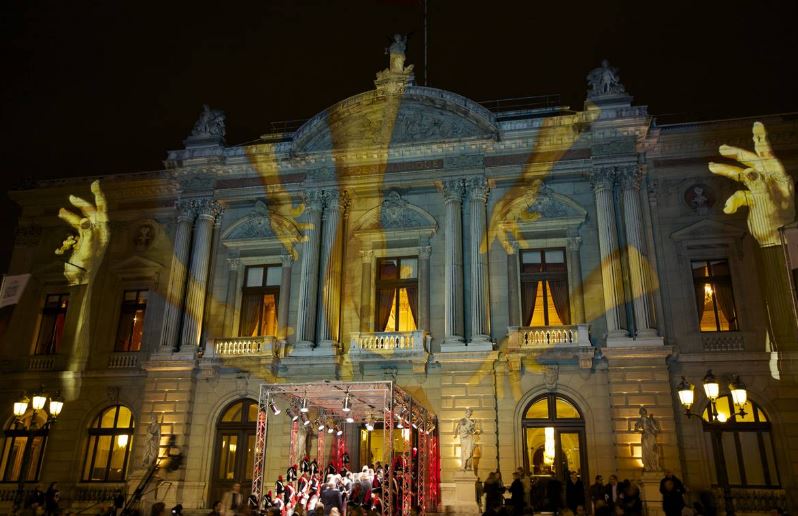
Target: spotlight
[
  {"x": 413, "y": 423},
  {"x": 369, "y": 423},
  {"x": 338, "y": 431},
  {"x": 319, "y": 425},
  {"x": 274, "y": 408},
  {"x": 305, "y": 420},
  {"x": 292, "y": 414},
  {"x": 399, "y": 424},
  {"x": 330, "y": 428},
  {"x": 349, "y": 418},
  {"x": 304, "y": 406},
  {"x": 347, "y": 403}
]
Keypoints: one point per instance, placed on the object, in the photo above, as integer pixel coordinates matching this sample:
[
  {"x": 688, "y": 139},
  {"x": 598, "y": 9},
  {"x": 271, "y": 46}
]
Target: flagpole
[{"x": 426, "y": 44}]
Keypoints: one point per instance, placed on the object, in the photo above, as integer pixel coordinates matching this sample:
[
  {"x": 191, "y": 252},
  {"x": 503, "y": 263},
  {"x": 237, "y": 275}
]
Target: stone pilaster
[
  {"x": 423, "y": 322},
  {"x": 207, "y": 211},
  {"x": 513, "y": 284},
  {"x": 639, "y": 280},
  {"x": 573, "y": 245},
  {"x": 453, "y": 263},
  {"x": 603, "y": 179},
  {"x": 366, "y": 258},
  {"x": 478, "y": 255},
  {"x": 233, "y": 264},
  {"x": 331, "y": 258},
  {"x": 309, "y": 278},
  {"x": 177, "y": 277},
  {"x": 284, "y": 300}
]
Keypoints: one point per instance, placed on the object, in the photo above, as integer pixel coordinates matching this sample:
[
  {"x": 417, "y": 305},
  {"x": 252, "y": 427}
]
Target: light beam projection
[{"x": 89, "y": 245}]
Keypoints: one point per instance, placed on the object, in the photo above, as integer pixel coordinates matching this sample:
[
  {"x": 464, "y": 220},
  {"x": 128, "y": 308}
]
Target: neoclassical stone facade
[{"x": 482, "y": 259}]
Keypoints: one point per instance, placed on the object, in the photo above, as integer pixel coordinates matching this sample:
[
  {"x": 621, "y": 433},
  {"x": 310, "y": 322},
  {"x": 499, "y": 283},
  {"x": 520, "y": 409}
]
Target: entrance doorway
[
  {"x": 234, "y": 449},
  {"x": 554, "y": 438}
]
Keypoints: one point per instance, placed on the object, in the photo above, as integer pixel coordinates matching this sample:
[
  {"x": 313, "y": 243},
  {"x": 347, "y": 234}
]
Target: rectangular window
[
  {"x": 544, "y": 288},
  {"x": 397, "y": 294},
  {"x": 259, "y": 299},
  {"x": 51, "y": 329},
  {"x": 714, "y": 296},
  {"x": 131, "y": 320}
]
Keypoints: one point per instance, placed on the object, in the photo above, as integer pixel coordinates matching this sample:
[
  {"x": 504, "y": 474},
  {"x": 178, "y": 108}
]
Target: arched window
[
  {"x": 743, "y": 445},
  {"x": 234, "y": 450},
  {"x": 17, "y": 440},
  {"x": 108, "y": 449},
  {"x": 554, "y": 438}
]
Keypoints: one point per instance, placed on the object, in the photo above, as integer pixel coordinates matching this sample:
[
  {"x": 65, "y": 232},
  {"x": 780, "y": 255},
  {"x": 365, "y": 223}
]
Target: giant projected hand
[
  {"x": 770, "y": 194},
  {"x": 88, "y": 248}
]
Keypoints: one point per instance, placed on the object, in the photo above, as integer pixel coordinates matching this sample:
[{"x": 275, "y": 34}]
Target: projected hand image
[
  {"x": 89, "y": 246},
  {"x": 770, "y": 193}
]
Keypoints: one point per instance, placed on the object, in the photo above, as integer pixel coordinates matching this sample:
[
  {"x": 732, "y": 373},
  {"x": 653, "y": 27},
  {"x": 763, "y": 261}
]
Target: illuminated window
[
  {"x": 744, "y": 445},
  {"x": 397, "y": 294},
  {"x": 16, "y": 440},
  {"x": 131, "y": 320},
  {"x": 714, "y": 296},
  {"x": 544, "y": 288},
  {"x": 51, "y": 329},
  {"x": 110, "y": 442},
  {"x": 259, "y": 301},
  {"x": 235, "y": 448}
]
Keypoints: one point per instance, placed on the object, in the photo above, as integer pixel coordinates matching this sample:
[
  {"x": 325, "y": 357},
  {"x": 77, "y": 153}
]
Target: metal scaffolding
[{"x": 413, "y": 475}]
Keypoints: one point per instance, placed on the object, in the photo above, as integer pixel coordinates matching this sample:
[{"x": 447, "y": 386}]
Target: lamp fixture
[
  {"x": 711, "y": 386},
  {"x": 686, "y": 392},
  {"x": 20, "y": 407},
  {"x": 737, "y": 392},
  {"x": 319, "y": 425},
  {"x": 305, "y": 420},
  {"x": 347, "y": 403},
  {"x": 304, "y": 407},
  {"x": 338, "y": 431},
  {"x": 369, "y": 423},
  {"x": 274, "y": 408},
  {"x": 350, "y": 418}
]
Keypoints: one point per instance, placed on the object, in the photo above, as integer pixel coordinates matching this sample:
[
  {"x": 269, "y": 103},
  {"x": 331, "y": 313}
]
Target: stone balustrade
[
  {"x": 123, "y": 360},
  {"x": 524, "y": 337},
  {"x": 44, "y": 362},
  {"x": 263, "y": 346},
  {"x": 400, "y": 343},
  {"x": 723, "y": 341},
  {"x": 752, "y": 500}
]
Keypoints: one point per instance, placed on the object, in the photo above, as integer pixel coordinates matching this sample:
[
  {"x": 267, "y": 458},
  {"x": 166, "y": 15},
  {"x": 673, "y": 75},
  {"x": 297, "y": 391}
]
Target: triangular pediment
[
  {"x": 708, "y": 229},
  {"x": 540, "y": 204},
  {"x": 374, "y": 119},
  {"x": 261, "y": 227}
]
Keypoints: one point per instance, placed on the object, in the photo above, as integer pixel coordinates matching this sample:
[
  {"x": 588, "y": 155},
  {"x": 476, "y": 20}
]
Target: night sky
[{"x": 102, "y": 87}]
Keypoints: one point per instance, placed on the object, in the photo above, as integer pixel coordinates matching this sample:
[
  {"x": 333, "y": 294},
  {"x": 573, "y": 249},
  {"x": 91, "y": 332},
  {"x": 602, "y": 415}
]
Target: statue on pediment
[
  {"x": 397, "y": 54},
  {"x": 604, "y": 80},
  {"x": 209, "y": 123}
]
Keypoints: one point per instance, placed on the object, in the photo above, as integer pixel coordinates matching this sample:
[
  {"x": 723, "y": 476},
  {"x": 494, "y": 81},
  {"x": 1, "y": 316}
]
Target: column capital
[
  {"x": 452, "y": 190},
  {"x": 233, "y": 263},
  {"x": 477, "y": 188},
  {"x": 313, "y": 200},
  {"x": 602, "y": 177},
  {"x": 337, "y": 200},
  {"x": 287, "y": 259},
  {"x": 574, "y": 242},
  {"x": 209, "y": 208},
  {"x": 424, "y": 252},
  {"x": 366, "y": 255},
  {"x": 629, "y": 176},
  {"x": 186, "y": 210}
]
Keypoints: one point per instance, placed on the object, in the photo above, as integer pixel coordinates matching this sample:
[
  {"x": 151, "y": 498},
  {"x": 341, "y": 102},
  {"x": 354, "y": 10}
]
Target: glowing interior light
[
  {"x": 548, "y": 447},
  {"x": 233, "y": 447},
  {"x": 122, "y": 440},
  {"x": 722, "y": 417}
]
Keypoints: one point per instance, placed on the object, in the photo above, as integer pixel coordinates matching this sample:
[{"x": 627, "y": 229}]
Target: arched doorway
[
  {"x": 553, "y": 430},
  {"x": 234, "y": 448}
]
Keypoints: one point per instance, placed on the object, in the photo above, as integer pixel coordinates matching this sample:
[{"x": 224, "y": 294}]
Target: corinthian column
[
  {"x": 366, "y": 257},
  {"x": 574, "y": 261},
  {"x": 331, "y": 256},
  {"x": 630, "y": 177},
  {"x": 177, "y": 277},
  {"x": 233, "y": 263},
  {"x": 602, "y": 179},
  {"x": 453, "y": 264},
  {"x": 207, "y": 211},
  {"x": 285, "y": 297},
  {"x": 478, "y": 255},
  {"x": 309, "y": 275},
  {"x": 424, "y": 253}
]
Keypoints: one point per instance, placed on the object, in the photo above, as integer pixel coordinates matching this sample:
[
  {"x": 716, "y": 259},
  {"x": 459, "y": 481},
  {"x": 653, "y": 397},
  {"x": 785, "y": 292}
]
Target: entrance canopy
[{"x": 339, "y": 405}]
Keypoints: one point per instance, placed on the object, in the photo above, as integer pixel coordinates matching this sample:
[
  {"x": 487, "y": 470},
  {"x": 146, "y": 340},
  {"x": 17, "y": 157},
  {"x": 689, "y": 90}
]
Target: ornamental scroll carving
[{"x": 395, "y": 213}]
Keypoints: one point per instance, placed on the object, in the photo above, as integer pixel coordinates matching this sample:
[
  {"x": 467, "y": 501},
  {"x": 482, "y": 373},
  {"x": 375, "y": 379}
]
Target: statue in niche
[
  {"x": 302, "y": 442},
  {"x": 209, "y": 123},
  {"x": 699, "y": 198},
  {"x": 649, "y": 428},
  {"x": 144, "y": 236},
  {"x": 467, "y": 430},
  {"x": 397, "y": 54},
  {"x": 153, "y": 443},
  {"x": 604, "y": 80}
]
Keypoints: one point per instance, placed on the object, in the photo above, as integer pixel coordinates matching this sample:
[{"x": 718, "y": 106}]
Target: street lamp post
[
  {"x": 739, "y": 395},
  {"x": 37, "y": 402}
]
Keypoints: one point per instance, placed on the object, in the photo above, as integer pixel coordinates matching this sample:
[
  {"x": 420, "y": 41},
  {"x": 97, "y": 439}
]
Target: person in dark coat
[
  {"x": 331, "y": 497},
  {"x": 672, "y": 498},
  {"x": 517, "y": 495},
  {"x": 492, "y": 493},
  {"x": 632, "y": 504},
  {"x": 51, "y": 499},
  {"x": 574, "y": 491}
]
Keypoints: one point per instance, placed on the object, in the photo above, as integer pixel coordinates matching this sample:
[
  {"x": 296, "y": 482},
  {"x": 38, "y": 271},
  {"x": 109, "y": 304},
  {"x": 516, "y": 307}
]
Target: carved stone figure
[
  {"x": 144, "y": 236},
  {"x": 209, "y": 123},
  {"x": 551, "y": 376},
  {"x": 302, "y": 441},
  {"x": 604, "y": 80},
  {"x": 649, "y": 427},
  {"x": 699, "y": 198},
  {"x": 467, "y": 430},
  {"x": 397, "y": 53},
  {"x": 153, "y": 443}
]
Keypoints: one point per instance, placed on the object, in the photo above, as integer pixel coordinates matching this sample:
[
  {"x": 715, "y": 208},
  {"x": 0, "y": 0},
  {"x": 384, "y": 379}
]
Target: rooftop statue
[
  {"x": 209, "y": 123},
  {"x": 604, "y": 80},
  {"x": 397, "y": 53}
]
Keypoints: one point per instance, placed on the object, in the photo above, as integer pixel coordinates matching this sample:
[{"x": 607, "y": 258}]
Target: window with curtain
[
  {"x": 259, "y": 300},
  {"x": 714, "y": 296},
  {"x": 745, "y": 445},
  {"x": 16, "y": 440},
  {"x": 397, "y": 294},
  {"x": 51, "y": 328},
  {"x": 544, "y": 288},
  {"x": 109, "y": 445},
  {"x": 131, "y": 320}
]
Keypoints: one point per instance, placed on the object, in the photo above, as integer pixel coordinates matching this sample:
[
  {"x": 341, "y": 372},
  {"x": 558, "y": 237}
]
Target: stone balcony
[
  {"x": 45, "y": 362},
  {"x": 410, "y": 346},
  {"x": 553, "y": 343},
  {"x": 263, "y": 347},
  {"x": 723, "y": 341},
  {"x": 124, "y": 360}
]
